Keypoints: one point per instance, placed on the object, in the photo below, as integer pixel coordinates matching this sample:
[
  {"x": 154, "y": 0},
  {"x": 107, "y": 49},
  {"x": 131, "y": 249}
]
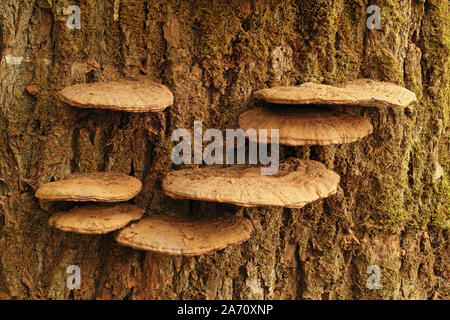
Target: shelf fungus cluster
[
  {"x": 169, "y": 234},
  {"x": 297, "y": 182},
  {"x": 307, "y": 124},
  {"x": 103, "y": 187}
]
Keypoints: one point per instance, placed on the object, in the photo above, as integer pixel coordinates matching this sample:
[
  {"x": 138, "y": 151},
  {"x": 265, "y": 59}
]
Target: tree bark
[{"x": 391, "y": 210}]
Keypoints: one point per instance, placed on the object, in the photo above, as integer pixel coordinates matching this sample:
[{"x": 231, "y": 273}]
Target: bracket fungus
[
  {"x": 306, "y": 126},
  {"x": 175, "y": 235},
  {"x": 96, "y": 219},
  {"x": 97, "y": 186},
  {"x": 297, "y": 183},
  {"x": 360, "y": 92},
  {"x": 129, "y": 96}
]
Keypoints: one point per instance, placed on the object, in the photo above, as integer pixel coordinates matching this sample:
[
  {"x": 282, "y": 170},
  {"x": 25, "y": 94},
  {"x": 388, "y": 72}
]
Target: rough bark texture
[{"x": 392, "y": 206}]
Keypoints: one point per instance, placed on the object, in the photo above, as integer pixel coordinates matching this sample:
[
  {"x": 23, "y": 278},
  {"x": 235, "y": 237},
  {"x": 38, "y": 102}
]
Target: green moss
[
  {"x": 386, "y": 65},
  {"x": 440, "y": 216},
  {"x": 390, "y": 283},
  {"x": 162, "y": 155},
  {"x": 217, "y": 24}
]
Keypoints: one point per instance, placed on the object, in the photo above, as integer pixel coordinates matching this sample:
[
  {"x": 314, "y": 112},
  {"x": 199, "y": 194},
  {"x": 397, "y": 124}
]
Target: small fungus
[
  {"x": 129, "y": 96},
  {"x": 96, "y": 219},
  {"x": 176, "y": 235},
  {"x": 297, "y": 183},
  {"x": 97, "y": 186},
  {"x": 361, "y": 92},
  {"x": 299, "y": 126}
]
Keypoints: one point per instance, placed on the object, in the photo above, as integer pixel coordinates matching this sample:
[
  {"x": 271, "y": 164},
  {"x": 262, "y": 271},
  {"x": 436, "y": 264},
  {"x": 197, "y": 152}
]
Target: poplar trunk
[{"x": 391, "y": 210}]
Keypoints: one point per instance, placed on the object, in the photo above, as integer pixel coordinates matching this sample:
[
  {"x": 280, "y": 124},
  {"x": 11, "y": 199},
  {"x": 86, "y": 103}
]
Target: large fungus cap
[
  {"x": 96, "y": 219},
  {"x": 96, "y": 186},
  {"x": 185, "y": 236},
  {"x": 297, "y": 183},
  {"x": 130, "y": 96},
  {"x": 361, "y": 92},
  {"x": 298, "y": 126}
]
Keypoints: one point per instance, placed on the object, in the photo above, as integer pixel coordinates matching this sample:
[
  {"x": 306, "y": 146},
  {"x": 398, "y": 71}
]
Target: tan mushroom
[
  {"x": 129, "y": 96},
  {"x": 96, "y": 186},
  {"x": 96, "y": 219},
  {"x": 305, "y": 126},
  {"x": 361, "y": 92},
  {"x": 185, "y": 236},
  {"x": 297, "y": 183}
]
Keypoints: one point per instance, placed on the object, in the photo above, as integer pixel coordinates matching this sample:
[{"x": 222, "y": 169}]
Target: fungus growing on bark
[
  {"x": 129, "y": 96},
  {"x": 297, "y": 183},
  {"x": 96, "y": 186},
  {"x": 96, "y": 219},
  {"x": 185, "y": 236},
  {"x": 306, "y": 126},
  {"x": 361, "y": 92}
]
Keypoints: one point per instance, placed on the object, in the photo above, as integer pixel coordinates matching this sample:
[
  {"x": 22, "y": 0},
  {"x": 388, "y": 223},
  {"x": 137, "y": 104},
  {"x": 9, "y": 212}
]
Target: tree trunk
[{"x": 391, "y": 210}]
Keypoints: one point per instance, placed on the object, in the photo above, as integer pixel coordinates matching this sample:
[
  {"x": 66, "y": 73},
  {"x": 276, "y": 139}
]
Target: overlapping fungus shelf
[
  {"x": 129, "y": 96},
  {"x": 96, "y": 186},
  {"x": 297, "y": 183},
  {"x": 361, "y": 92},
  {"x": 96, "y": 219},
  {"x": 306, "y": 126},
  {"x": 185, "y": 236}
]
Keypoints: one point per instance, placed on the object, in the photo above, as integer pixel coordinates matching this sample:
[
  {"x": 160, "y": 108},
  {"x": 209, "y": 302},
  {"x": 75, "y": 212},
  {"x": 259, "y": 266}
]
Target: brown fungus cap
[
  {"x": 361, "y": 92},
  {"x": 185, "y": 236},
  {"x": 299, "y": 126},
  {"x": 96, "y": 219},
  {"x": 96, "y": 186},
  {"x": 297, "y": 183},
  {"x": 129, "y": 96}
]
